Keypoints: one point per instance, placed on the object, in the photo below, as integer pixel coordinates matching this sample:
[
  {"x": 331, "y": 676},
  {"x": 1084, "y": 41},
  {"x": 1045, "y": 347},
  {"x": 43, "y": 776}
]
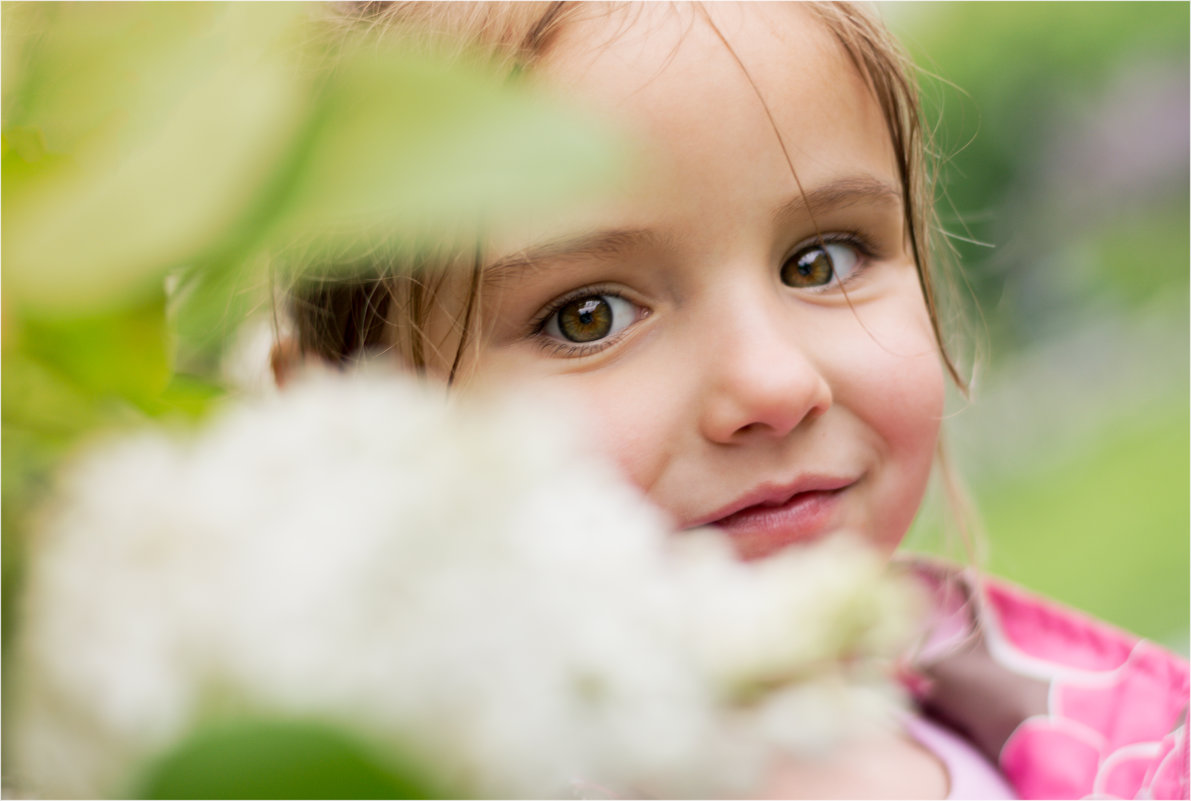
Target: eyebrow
[
  {"x": 605, "y": 244},
  {"x": 838, "y": 194}
]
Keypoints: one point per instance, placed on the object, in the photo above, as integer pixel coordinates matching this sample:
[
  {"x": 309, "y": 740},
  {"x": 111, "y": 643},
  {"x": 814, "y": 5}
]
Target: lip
[{"x": 772, "y": 517}]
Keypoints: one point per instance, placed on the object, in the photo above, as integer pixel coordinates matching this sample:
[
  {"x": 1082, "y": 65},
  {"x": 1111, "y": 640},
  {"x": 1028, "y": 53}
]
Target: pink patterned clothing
[{"x": 1064, "y": 705}]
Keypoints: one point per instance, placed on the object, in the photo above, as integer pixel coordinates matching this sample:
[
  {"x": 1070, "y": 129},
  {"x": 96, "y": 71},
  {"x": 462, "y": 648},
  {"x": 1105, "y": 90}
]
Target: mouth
[{"x": 772, "y": 517}]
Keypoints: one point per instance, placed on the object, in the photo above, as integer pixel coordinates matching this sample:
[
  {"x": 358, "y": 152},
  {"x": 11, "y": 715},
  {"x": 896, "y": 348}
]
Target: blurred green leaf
[
  {"x": 116, "y": 354},
  {"x": 41, "y": 401},
  {"x": 186, "y": 396},
  {"x": 404, "y": 146},
  {"x": 279, "y": 759},
  {"x": 165, "y": 120}
]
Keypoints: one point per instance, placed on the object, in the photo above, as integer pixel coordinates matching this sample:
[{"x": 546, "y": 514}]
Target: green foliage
[
  {"x": 157, "y": 125},
  {"x": 280, "y": 759},
  {"x": 115, "y": 353}
]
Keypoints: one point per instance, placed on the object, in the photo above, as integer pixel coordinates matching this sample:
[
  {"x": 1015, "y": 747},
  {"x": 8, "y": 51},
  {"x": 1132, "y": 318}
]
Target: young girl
[{"x": 748, "y": 327}]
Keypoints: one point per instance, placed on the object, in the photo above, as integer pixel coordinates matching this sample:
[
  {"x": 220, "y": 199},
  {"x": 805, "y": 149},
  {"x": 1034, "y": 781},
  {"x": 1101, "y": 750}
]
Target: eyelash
[{"x": 556, "y": 347}]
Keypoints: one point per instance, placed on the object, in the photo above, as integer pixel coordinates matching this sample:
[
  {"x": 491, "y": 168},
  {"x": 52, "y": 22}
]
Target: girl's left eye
[
  {"x": 588, "y": 319},
  {"x": 820, "y": 265}
]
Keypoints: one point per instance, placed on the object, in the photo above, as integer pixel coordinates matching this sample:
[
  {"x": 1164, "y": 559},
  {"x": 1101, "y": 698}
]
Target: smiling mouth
[{"x": 781, "y": 519}]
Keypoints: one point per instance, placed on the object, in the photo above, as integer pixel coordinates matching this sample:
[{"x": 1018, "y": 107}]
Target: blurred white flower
[{"x": 369, "y": 552}]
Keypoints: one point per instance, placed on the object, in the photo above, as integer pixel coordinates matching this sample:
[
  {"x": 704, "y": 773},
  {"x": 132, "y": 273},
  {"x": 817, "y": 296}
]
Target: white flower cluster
[{"x": 371, "y": 553}]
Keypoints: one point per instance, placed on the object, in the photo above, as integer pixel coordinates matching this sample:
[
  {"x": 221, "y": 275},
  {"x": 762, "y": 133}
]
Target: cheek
[
  {"x": 912, "y": 414},
  {"x": 906, "y": 398},
  {"x": 911, "y": 429},
  {"x": 900, "y": 375},
  {"x": 899, "y": 395},
  {"x": 630, "y": 423},
  {"x": 626, "y": 415}
]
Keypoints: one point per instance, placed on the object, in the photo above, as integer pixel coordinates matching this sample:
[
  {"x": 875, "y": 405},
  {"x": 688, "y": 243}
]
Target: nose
[{"x": 762, "y": 378}]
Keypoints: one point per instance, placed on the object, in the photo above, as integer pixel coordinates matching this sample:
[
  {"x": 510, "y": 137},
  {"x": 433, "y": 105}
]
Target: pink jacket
[{"x": 1066, "y": 706}]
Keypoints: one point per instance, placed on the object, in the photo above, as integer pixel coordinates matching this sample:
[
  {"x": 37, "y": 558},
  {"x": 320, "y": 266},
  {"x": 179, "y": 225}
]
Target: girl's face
[{"x": 752, "y": 349}]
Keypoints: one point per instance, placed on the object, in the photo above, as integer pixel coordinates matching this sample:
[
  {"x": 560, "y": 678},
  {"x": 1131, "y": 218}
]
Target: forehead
[
  {"x": 633, "y": 42},
  {"x": 727, "y": 94}
]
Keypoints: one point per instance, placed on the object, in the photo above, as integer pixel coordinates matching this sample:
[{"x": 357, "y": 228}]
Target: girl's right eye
[{"x": 589, "y": 319}]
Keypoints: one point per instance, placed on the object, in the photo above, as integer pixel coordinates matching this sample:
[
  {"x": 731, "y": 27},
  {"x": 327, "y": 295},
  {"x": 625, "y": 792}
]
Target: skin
[
  {"x": 721, "y": 379},
  {"x": 724, "y": 379}
]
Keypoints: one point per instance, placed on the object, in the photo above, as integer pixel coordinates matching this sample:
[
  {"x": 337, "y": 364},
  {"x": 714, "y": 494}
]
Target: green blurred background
[{"x": 1063, "y": 130}]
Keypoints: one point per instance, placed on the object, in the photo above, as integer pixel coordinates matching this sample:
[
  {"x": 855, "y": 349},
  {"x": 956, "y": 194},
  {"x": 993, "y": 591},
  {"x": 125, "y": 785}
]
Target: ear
[{"x": 285, "y": 359}]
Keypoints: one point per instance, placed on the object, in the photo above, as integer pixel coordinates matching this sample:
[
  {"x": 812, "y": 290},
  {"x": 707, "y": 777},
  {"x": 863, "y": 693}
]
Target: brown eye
[
  {"x": 585, "y": 320},
  {"x": 589, "y": 318},
  {"x": 819, "y": 265}
]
